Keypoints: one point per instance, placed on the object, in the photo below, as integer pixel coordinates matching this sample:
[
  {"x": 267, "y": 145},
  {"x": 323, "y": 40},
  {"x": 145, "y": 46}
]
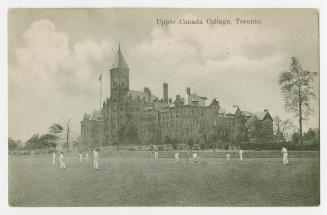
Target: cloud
[
  {"x": 51, "y": 79},
  {"x": 212, "y": 56},
  {"x": 238, "y": 64}
]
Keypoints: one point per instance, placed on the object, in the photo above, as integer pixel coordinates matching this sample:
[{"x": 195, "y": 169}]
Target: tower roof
[{"x": 119, "y": 62}]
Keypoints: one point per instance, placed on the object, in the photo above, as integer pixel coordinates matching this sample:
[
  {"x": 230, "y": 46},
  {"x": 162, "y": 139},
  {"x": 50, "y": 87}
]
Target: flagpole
[{"x": 100, "y": 79}]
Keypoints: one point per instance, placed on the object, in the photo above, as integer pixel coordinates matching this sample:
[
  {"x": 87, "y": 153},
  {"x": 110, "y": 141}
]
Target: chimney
[
  {"x": 188, "y": 91},
  {"x": 165, "y": 93},
  {"x": 148, "y": 93}
]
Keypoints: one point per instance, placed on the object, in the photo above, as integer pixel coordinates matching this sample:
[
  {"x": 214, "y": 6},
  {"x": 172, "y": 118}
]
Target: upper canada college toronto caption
[{"x": 209, "y": 21}]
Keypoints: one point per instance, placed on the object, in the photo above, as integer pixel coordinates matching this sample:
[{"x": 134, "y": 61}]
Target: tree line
[{"x": 57, "y": 138}]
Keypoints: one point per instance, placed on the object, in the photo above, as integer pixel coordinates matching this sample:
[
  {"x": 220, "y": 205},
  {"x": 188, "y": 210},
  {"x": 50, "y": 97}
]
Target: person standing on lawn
[
  {"x": 285, "y": 155},
  {"x": 53, "y": 158},
  {"x": 241, "y": 154},
  {"x": 80, "y": 156},
  {"x": 62, "y": 161},
  {"x": 96, "y": 159},
  {"x": 156, "y": 154},
  {"x": 195, "y": 157},
  {"x": 177, "y": 157}
]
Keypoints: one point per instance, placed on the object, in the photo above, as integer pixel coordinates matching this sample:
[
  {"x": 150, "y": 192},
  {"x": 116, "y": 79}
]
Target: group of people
[
  {"x": 193, "y": 156},
  {"x": 62, "y": 162},
  {"x": 190, "y": 156},
  {"x": 228, "y": 156}
]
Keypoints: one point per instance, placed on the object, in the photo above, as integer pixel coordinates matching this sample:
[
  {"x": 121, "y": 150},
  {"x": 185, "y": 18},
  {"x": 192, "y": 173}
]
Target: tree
[
  {"x": 240, "y": 134},
  {"x": 167, "y": 140},
  {"x": 12, "y": 144},
  {"x": 203, "y": 138},
  {"x": 295, "y": 138},
  {"x": 68, "y": 134},
  {"x": 297, "y": 88},
  {"x": 33, "y": 142},
  {"x": 190, "y": 143},
  {"x": 216, "y": 138},
  {"x": 259, "y": 129},
  {"x": 56, "y": 130},
  {"x": 281, "y": 127},
  {"x": 45, "y": 141},
  {"x": 48, "y": 141},
  {"x": 170, "y": 141}
]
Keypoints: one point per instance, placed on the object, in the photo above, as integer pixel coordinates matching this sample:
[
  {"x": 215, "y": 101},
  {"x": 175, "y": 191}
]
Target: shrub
[
  {"x": 174, "y": 144},
  {"x": 202, "y": 146},
  {"x": 196, "y": 147},
  {"x": 190, "y": 143},
  {"x": 131, "y": 149}
]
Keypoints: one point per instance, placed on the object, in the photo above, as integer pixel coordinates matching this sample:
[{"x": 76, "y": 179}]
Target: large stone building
[{"x": 139, "y": 117}]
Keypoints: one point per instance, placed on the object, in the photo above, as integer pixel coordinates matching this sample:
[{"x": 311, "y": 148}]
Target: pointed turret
[
  {"x": 119, "y": 62},
  {"x": 119, "y": 76}
]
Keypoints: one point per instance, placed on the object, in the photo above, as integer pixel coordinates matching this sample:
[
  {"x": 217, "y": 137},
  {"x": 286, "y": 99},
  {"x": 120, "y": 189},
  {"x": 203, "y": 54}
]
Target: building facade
[{"x": 139, "y": 117}]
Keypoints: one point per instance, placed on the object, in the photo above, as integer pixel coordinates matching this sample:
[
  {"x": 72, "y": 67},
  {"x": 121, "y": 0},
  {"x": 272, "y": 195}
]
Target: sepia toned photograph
[{"x": 163, "y": 107}]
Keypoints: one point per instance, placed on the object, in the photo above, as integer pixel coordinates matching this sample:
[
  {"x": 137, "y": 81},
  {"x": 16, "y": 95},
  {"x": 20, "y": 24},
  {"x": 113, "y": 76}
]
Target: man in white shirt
[
  {"x": 95, "y": 159},
  {"x": 177, "y": 157},
  {"x": 53, "y": 158},
  {"x": 62, "y": 161},
  {"x": 241, "y": 154},
  {"x": 80, "y": 156},
  {"x": 195, "y": 157},
  {"x": 285, "y": 155},
  {"x": 156, "y": 154}
]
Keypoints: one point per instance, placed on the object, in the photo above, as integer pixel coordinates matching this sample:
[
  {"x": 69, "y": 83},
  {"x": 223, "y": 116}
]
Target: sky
[{"x": 56, "y": 56}]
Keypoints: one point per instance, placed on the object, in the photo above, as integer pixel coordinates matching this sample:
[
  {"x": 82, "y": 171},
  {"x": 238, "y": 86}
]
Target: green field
[{"x": 149, "y": 182}]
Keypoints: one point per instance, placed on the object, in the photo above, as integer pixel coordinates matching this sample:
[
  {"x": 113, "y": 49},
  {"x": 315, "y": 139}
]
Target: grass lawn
[{"x": 149, "y": 182}]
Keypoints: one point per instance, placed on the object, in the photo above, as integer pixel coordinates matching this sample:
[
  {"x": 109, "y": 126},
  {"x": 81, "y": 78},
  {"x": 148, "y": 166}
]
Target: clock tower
[{"x": 119, "y": 77}]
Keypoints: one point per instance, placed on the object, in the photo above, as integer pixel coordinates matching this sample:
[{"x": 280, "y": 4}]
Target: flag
[{"x": 100, "y": 78}]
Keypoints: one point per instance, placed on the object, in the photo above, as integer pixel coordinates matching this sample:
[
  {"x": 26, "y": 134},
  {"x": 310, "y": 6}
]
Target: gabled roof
[
  {"x": 262, "y": 115},
  {"x": 119, "y": 62},
  {"x": 214, "y": 103}
]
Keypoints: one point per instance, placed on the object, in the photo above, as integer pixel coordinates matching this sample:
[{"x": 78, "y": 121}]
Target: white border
[{"x": 4, "y": 209}]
